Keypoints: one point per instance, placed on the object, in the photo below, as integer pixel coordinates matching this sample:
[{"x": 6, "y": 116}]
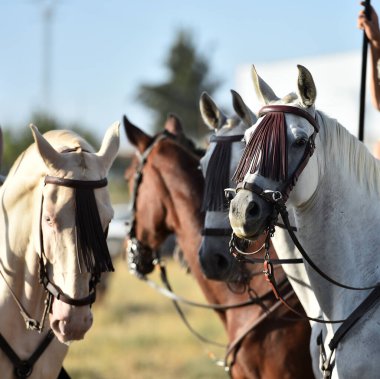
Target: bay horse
[
  {"x": 55, "y": 210},
  {"x": 217, "y": 261},
  {"x": 168, "y": 198},
  {"x": 332, "y": 182}
]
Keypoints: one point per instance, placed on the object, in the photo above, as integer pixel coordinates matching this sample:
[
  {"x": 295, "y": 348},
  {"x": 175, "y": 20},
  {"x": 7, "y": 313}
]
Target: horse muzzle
[
  {"x": 70, "y": 323},
  {"x": 249, "y": 215},
  {"x": 140, "y": 258}
]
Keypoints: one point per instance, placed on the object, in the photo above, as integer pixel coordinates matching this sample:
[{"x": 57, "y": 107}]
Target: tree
[{"x": 188, "y": 78}]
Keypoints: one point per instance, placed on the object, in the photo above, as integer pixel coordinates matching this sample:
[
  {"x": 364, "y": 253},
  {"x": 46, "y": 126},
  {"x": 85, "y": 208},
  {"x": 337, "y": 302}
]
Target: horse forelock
[{"x": 62, "y": 140}]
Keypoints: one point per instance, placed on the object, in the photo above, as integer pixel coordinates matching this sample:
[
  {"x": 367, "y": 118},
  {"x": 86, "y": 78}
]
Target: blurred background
[{"x": 82, "y": 64}]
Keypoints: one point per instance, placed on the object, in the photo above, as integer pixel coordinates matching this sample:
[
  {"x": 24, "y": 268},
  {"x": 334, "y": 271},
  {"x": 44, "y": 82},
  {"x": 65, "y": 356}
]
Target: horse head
[
  {"x": 218, "y": 165},
  {"x": 71, "y": 223},
  {"x": 154, "y": 174},
  {"x": 275, "y": 165}
]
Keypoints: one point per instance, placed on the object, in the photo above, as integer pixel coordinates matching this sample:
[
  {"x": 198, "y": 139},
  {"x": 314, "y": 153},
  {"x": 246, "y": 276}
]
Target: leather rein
[{"x": 278, "y": 200}]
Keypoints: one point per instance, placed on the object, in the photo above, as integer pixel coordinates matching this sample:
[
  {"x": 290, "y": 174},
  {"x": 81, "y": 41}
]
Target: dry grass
[{"x": 137, "y": 334}]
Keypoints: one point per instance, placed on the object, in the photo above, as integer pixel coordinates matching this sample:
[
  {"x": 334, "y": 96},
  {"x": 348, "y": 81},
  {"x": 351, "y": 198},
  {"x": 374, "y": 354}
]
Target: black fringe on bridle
[
  {"x": 92, "y": 249},
  {"x": 266, "y": 151},
  {"x": 217, "y": 178}
]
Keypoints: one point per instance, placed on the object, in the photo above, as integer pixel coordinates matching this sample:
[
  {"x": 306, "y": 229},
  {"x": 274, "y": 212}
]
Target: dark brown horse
[{"x": 168, "y": 198}]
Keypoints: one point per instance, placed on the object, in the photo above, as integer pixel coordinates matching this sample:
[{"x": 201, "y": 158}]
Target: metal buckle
[{"x": 229, "y": 194}]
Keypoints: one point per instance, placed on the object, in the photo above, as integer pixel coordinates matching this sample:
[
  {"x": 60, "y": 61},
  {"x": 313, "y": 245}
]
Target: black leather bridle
[{"x": 140, "y": 257}]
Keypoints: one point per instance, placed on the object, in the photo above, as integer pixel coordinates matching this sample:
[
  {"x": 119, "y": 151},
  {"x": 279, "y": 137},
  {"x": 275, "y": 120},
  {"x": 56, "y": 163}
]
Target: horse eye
[
  {"x": 49, "y": 220},
  {"x": 301, "y": 141}
]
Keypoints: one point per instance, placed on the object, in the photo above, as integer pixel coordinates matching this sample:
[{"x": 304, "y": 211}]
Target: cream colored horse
[{"x": 40, "y": 233}]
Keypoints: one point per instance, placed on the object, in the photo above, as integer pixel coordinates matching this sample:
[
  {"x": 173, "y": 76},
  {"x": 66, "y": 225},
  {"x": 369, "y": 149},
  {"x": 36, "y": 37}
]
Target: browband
[
  {"x": 234, "y": 138},
  {"x": 73, "y": 183},
  {"x": 289, "y": 109}
]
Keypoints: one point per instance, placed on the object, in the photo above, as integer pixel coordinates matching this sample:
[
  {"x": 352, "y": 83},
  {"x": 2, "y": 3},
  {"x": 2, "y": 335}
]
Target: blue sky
[{"x": 103, "y": 50}]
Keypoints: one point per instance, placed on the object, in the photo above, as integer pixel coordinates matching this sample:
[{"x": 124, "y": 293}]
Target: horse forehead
[
  {"x": 293, "y": 122},
  {"x": 296, "y": 123},
  {"x": 83, "y": 166}
]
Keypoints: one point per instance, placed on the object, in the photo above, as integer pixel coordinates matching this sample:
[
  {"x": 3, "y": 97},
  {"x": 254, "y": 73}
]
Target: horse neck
[
  {"x": 19, "y": 260},
  {"x": 345, "y": 210}
]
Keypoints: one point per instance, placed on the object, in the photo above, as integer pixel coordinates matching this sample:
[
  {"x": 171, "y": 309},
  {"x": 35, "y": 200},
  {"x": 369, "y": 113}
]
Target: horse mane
[{"x": 358, "y": 160}]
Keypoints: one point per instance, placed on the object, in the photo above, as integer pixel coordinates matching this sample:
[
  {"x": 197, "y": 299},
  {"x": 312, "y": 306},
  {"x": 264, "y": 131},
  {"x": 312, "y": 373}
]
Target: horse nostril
[
  {"x": 252, "y": 209},
  {"x": 221, "y": 262}
]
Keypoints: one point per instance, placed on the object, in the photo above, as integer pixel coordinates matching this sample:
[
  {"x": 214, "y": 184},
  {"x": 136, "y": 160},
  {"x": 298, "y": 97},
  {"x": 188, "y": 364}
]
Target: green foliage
[{"x": 188, "y": 78}]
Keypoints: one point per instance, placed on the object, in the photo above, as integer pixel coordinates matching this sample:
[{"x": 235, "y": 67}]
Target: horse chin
[{"x": 250, "y": 235}]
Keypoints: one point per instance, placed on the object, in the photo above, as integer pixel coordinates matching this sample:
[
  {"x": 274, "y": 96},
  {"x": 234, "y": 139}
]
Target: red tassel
[{"x": 266, "y": 151}]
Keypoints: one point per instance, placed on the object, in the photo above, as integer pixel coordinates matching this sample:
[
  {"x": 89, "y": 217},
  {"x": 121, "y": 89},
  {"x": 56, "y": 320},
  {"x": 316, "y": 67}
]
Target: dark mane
[{"x": 217, "y": 178}]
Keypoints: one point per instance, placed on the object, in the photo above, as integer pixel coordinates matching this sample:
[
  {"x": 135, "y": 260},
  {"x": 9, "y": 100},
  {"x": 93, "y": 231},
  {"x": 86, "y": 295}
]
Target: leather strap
[
  {"x": 217, "y": 232},
  {"x": 74, "y": 183},
  {"x": 23, "y": 368},
  {"x": 289, "y": 109},
  {"x": 234, "y": 138}
]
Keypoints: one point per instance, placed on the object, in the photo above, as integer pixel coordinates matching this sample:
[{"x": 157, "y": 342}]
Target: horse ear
[
  {"x": 264, "y": 93},
  {"x": 110, "y": 145},
  {"x": 307, "y": 91},
  {"x": 212, "y": 116},
  {"x": 173, "y": 125},
  {"x": 242, "y": 110},
  {"x": 136, "y": 136},
  {"x": 51, "y": 157}
]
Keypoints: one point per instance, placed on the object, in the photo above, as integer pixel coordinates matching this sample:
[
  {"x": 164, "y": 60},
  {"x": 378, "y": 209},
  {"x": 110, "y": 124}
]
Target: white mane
[{"x": 348, "y": 153}]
